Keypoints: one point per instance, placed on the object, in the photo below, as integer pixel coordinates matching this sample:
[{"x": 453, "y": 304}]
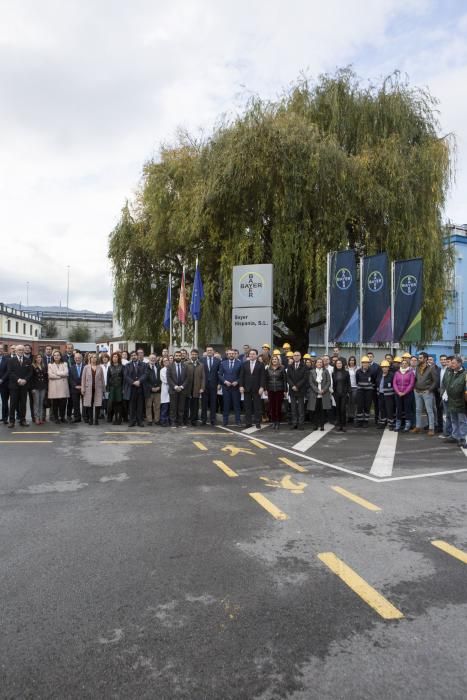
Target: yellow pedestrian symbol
[
  {"x": 234, "y": 451},
  {"x": 286, "y": 482}
]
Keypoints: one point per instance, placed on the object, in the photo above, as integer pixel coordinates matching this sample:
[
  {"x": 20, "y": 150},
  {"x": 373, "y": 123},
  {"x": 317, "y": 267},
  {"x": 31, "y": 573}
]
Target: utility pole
[{"x": 67, "y": 294}]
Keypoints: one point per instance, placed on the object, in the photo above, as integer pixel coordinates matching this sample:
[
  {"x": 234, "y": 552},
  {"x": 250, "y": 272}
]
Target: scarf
[{"x": 319, "y": 377}]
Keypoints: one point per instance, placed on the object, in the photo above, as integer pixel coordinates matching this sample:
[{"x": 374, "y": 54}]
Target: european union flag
[
  {"x": 168, "y": 306},
  {"x": 197, "y": 296}
]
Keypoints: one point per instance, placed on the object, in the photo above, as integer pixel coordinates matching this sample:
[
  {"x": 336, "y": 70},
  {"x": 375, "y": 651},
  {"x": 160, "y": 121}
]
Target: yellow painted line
[
  {"x": 24, "y": 442},
  {"x": 294, "y": 465},
  {"x": 125, "y": 442},
  {"x": 270, "y": 507},
  {"x": 258, "y": 444},
  {"x": 356, "y": 499},
  {"x": 35, "y": 432},
  {"x": 449, "y": 549},
  {"x": 226, "y": 469},
  {"x": 126, "y": 432},
  {"x": 200, "y": 446},
  {"x": 359, "y": 586}
]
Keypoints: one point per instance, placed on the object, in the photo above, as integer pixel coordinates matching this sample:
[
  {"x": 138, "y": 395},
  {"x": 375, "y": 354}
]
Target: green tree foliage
[
  {"x": 49, "y": 329},
  {"x": 79, "y": 334},
  {"x": 330, "y": 165}
]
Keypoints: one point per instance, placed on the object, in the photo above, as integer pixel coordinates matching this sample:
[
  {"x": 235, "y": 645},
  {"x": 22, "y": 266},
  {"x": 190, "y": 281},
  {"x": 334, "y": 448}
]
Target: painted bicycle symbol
[
  {"x": 409, "y": 285},
  {"x": 343, "y": 278},
  {"x": 375, "y": 281}
]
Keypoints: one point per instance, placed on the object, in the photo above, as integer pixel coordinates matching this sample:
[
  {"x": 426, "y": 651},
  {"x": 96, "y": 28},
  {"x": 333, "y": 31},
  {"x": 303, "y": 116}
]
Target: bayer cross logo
[
  {"x": 409, "y": 285},
  {"x": 343, "y": 278},
  {"x": 252, "y": 286},
  {"x": 375, "y": 281}
]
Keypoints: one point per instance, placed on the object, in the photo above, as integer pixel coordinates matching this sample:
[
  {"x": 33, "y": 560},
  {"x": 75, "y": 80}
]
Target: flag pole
[
  {"x": 361, "y": 308},
  {"x": 195, "y": 338},
  {"x": 328, "y": 301},
  {"x": 393, "y": 280},
  {"x": 183, "y": 325},
  {"x": 171, "y": 317}
]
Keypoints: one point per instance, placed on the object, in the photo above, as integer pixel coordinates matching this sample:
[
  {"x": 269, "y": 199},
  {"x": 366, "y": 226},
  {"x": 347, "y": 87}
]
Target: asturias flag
[
  {"x": 168, "y": 306},
  {"x": 182, "y": 301},
  {"x": 197, "y": 296}
]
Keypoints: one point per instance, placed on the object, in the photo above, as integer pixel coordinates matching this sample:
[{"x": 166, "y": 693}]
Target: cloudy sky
[{"x": 89, "y": 89}]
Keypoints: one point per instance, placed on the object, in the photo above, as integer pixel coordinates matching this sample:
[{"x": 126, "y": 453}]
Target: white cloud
[{"x": 89, "y": 90}]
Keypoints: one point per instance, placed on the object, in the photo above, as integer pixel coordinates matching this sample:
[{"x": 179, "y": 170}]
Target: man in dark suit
[
  {"x": 196, "y": 380},
  {"x": 152, "y": 391},
  {"x": 19, "y": 374},
  {"x": 229, "y": 378},
  {"x": 297, "y": 377},
  {"x": 209, "y": 395},
  {"x": 4, "y": 389},
  {"x": 178, "y": 379},
  {"x": 74, "y": 379},
  {"x": 134, "y": 379},
  {"x": 252, "y": 383}
]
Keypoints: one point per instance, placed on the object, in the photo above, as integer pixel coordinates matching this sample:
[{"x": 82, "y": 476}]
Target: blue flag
[
  {"x": 197, "y": 296},
  {"x": 344, "y": 311},
  {"x": 408, "y": 300},
  {"x": 168, "y": 306},
  {"x": 376, "y": 299}
]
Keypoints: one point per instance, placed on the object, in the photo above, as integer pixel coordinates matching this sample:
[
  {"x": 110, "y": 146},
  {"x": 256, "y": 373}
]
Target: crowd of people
[{"x": 183, "y": 388}]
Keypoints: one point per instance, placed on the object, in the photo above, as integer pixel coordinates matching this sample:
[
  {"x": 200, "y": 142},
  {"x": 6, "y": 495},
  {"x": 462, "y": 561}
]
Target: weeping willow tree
[{"x": 332, "y": 164}]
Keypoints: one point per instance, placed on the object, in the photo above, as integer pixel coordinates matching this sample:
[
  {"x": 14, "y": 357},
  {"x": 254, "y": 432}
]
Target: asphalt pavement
[{"x": 218, "y": 564}]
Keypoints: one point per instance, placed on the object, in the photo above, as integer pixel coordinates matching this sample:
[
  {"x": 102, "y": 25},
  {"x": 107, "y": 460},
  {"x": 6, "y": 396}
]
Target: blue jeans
[
  {"x": 424, "y": 399},
  {"x": 459, "y": 425},
  {"x": 39, "y": 396},
  {"x": 447, "y": 424}
]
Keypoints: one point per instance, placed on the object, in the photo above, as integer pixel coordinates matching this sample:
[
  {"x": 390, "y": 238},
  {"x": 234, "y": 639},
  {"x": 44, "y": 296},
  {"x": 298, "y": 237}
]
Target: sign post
[{"x": 252, "y": 301}]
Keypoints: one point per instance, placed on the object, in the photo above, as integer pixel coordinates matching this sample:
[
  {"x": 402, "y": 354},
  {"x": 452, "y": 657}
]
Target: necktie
[
  {"x": 210, "y": 363},
  {"x": 231, "y": 364},
  {"x": 296, "y": 365},
  {"x": 78, "y": 367},
  {"x": 178, "y": 372},
  {"x": 21, "y": 360}
]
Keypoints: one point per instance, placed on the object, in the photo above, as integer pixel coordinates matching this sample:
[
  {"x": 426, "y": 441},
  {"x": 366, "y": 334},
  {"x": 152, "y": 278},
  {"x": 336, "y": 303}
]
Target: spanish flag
[{"x": 182, "y": 304}]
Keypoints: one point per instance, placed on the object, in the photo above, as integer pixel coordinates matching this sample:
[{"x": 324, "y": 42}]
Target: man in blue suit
[
  {"x": 229, "y": 378},
  {"x": 209, "y": 397}
]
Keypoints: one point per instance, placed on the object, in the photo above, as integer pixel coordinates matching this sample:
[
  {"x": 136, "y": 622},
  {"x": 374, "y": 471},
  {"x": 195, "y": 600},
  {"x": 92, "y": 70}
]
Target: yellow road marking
[
  {"x": 200, "y": 446},
  {"x": 125, "y": 442},
  {"x": 24, "y": 442},
  {"x": 359, "y": 586},
  {"x": 450, "y": 549},
  {"x": 356, "y": 499},
  {"x": 258, "y": 444},
  {"x": 126, "y": 432},
  {"x": 294, "y": 465},
  {"x": 35, "y": 432},
  {"x": 226, "y": 469},
  {"x": 270, "y": 507}
]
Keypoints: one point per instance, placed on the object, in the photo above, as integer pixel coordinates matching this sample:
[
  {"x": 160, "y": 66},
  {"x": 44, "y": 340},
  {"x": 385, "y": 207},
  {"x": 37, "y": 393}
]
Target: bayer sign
[
  {"x": 408, "y": 285},
  {"x": 343, "y": 279},
  {"x": 375, "y": 281}
]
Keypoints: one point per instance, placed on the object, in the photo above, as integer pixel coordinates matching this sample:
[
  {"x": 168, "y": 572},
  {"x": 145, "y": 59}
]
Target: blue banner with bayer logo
[
  {"x": 344, "y": 315},
  {"x": 376, "y": 299},
  {"x": 408, "y": 300}
]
